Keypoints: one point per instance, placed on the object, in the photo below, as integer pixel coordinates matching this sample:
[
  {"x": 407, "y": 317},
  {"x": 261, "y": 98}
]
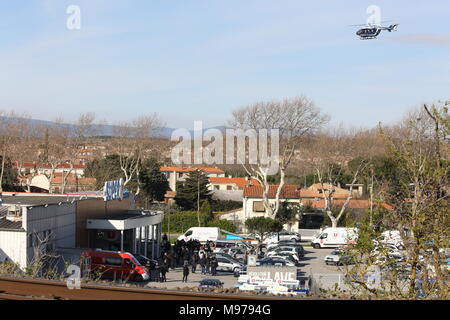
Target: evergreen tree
[
  {"x": 106, "y": 169},
  {"x": 192, "y": 191},
  {"x": 288, "y": 213},
  {"x": 262, "y": 227},
  {"x": 154, "y": 182},
  {"x": 206, "y": 210},
  {"x": 9, "y": 176}
]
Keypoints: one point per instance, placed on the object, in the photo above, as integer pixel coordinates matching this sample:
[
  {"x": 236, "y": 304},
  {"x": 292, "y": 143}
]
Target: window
[
  {"x": 216, "y": 187},
  {"x": 258, "y": 206},
  {"x": 128, "y": 263},
  {"x": 187, "y": 234},
  {"x": 229, "y": 187},
  {"x": 113, "y": 261}
]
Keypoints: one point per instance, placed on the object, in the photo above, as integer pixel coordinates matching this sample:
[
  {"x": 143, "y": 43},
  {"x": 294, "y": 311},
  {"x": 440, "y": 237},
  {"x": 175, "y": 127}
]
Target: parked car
[
  {"x": 298, "y": 250},
  {"x": 227, "y": 256},
  {"x": 237, "y": 253},
  {"x": 282, "y": 243},
  {"x": 271, "y": 261},
  {"x": 226, "y": 264},
  {"x": 283, "y": 236},
  {"x": 241, "y": 271},
  {"x": 210, "y": 283},
  {"x": 339, "y": 258},
  {"x": 146, "y": 262},
  {"x": 286, "y": 255},
  {"x": 291, "y": 262},
  {"x": 115, "y": 265}
]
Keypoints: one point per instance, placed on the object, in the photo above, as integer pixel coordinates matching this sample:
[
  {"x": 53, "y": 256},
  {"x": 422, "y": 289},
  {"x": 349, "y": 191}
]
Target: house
[
  {"x": 253, "y": 200},
  {"x": 41, "y": 183},
  {"x": 357, "y": 189},
  {"x": 34, "y": 168},
  {"x": 229, "y": 183},
  {"x": 72, "y": 184},
  {"x": 178, "y": 174}
]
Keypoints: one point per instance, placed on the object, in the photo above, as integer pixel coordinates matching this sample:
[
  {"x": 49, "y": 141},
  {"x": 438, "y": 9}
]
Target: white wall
[
  {"x": 59, "y": 219},
  {"x": 13, "y": 246},
  {"x": 248, "y": 206}
]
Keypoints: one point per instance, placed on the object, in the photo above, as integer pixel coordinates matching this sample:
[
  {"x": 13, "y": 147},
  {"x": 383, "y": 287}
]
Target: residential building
[
  {"x": 176, "y": 174},
  {"x": 229, "y": 183},
  {"x": 253, "y": 201}
]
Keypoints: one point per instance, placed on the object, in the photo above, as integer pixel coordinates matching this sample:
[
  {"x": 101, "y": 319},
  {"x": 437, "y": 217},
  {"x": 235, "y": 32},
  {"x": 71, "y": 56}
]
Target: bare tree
[
  {"x": 294, "y": 118},
  {"x": 132, "y": 142},
  {"x": 13, "y": 133},
  {"x": 56, "y": 148},
  {"x": 329, "y": 154},
  {"x": 24, "y": 149},
  {"x": 329, "y": 191}
]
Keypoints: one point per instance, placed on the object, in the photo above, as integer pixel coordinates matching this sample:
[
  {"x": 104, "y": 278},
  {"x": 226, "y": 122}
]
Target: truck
[
  {"x": 114, "y": 265},
  {"x": 335, "y": 237},
  {"x": 201, "y": 234}
]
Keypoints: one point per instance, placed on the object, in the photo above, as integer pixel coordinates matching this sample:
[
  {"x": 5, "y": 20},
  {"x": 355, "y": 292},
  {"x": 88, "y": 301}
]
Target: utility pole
[
  {"x": 198, "y": 200},
  {"x": 371, "y": 196}
]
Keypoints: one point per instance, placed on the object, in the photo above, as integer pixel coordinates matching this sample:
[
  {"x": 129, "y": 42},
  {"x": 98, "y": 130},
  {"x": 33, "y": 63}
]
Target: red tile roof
[
  {"x": 353, "y": 204},
  {"x": 288, "y": 191},
  {"x": 75, "y": 181},
  {"x": 240, "y": 182},
  {"x": 47, "y": 165}
]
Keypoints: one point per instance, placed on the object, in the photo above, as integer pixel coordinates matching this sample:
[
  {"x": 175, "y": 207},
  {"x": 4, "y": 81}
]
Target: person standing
[
  {"x": 185, "y": 272},
  {"x": 214, "y": 264},
  {"x": 186, "y": 256},
  {"x": 208, "y": 263},
  {"x": 202, "y": 262},
  {"x": 194, "y": 261},
  {"x": 164, "y": 268}
]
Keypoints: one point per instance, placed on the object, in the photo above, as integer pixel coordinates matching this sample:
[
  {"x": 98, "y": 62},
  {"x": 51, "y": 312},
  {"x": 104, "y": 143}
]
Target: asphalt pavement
[{"x": 312, "y": 263}]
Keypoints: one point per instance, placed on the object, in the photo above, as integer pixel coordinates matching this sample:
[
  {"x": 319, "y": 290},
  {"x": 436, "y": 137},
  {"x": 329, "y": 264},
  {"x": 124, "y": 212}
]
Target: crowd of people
[{"x": 188, "y": 255}]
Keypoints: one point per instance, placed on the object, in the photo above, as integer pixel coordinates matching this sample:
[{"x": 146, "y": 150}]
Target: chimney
[{"x": 14, "y": 213}]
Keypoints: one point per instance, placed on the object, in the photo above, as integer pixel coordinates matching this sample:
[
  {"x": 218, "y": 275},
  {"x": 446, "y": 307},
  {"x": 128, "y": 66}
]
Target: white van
[
  {"x": 201, "y": 234},
  {"x": 335, "y": 237}
]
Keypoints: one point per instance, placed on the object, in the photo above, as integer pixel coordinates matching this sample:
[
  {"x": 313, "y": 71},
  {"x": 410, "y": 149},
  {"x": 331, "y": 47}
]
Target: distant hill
[{"x": 99, "y": 129}]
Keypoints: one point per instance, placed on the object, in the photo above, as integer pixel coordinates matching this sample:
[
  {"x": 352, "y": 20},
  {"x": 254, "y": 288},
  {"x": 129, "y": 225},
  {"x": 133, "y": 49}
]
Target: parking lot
[{"x": 311, "y": 264}]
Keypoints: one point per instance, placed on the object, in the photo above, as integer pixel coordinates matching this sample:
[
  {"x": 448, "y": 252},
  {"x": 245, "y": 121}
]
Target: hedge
[
  {"x": 180, "y": 222},
  {"x": 225, "y": 205}
]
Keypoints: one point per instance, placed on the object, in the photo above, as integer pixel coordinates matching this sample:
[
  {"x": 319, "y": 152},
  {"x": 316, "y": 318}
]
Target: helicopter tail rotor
[{"x": 393, "y": 27}]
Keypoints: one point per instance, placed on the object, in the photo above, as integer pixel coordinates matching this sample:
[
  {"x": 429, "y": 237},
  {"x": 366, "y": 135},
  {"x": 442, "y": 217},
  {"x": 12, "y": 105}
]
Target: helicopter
[{"x": 371, "y": 31}]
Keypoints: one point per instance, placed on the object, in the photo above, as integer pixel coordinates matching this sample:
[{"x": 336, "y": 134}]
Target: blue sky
[{"x": 200, "y": 59}]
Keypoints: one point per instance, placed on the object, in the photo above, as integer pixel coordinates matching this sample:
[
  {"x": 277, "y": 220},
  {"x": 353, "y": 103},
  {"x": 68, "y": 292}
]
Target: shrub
[
  {"x": 223, "y": 224},
  {"x": 225, "y": 205},
  {"x": 180, "y": 222}
]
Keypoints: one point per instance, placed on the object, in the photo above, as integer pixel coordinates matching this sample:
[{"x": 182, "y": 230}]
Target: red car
[{"x": 115, "y": 265}]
